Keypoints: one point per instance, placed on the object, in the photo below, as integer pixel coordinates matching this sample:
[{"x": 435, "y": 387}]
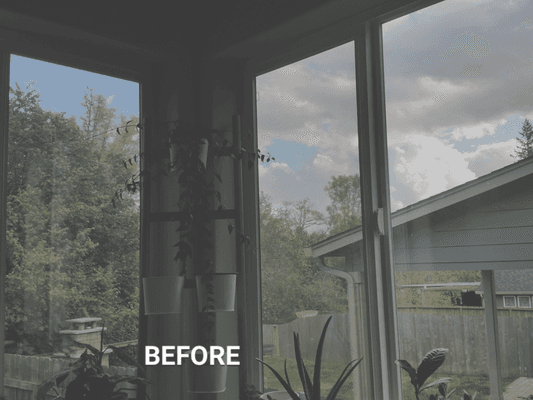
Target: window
[
  {"x": 454, "y": 117},
  {"x": 509, "y": 301},
  {"x": 72, "y": 258},
  {"x": 524, "y": 301},
  {"x": 310, "y": 193}
]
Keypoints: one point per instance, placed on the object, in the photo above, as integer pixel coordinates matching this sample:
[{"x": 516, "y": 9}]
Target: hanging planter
[
  {"x": 206, "y": 378},
  {"x": 162, "y": 295},
  {"x": 222, "y": 297}
]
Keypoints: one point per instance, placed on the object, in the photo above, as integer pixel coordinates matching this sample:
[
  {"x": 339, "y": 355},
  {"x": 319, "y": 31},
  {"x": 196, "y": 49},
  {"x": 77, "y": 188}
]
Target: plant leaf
[
  {"x": 437, "y": 382},
  {"x": 304, "y": 376},
  {"x": 335, "y": 389},
  {"x": 410, "y": 370},
  {"x": 430, "y": 363},
  {"x": 318, "y": 361},
  {"x": 285, "y": 385}
]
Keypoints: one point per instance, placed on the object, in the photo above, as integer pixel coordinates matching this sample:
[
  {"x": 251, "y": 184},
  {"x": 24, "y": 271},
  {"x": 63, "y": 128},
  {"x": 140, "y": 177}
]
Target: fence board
[
  {"x": 463, "y": 334},
  {"x": 25, "y": 373}
]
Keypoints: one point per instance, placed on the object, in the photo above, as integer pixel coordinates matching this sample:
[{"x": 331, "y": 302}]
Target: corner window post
[
  {"x": 4, "y": 127},
  {"x": 375, "y": 199}
]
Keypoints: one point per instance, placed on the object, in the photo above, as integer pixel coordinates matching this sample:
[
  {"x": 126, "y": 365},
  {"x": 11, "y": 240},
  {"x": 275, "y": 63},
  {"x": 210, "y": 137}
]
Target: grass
[{"x": 331, "y": 371}]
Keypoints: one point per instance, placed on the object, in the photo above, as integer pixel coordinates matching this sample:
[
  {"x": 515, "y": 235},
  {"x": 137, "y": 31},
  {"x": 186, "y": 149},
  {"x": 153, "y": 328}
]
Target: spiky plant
[
  {"x": 312, "y": 389},
  {"x": 430, "y": 363}
]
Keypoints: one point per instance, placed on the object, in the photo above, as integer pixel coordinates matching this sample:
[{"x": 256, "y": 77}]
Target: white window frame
[
  {"x": 528, "y": 299},
  {"x": 365, "y": 30},
  {"x": 507, "y": 298}
]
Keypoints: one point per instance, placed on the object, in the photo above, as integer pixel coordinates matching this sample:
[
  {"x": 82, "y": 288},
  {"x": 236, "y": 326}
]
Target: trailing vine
[{"x": 195, "y": 236}]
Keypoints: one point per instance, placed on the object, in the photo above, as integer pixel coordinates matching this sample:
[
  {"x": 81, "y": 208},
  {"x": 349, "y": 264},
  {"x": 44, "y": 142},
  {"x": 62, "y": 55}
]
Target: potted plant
[
  {"x": 215, "y": 291},
  {"x": 428, "y": 366},
  {"x": 91, "y": 382},
  {"x": 311, "y": 388}
]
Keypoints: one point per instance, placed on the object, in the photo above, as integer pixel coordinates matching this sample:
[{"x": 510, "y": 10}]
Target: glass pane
[
  {"x": 310, "y": 194},
  {"x": 73, "y": 258},
  {"x": 458, "y": 102}
]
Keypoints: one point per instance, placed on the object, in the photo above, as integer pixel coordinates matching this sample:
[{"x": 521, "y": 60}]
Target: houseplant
[
  {"x": 188, "y": 159},
  {"x": 91, "y": 382},
  {"x": 429, "y": 364},
  {"x": 312, "y": 388},
  {"x": 187, "y": 146}
]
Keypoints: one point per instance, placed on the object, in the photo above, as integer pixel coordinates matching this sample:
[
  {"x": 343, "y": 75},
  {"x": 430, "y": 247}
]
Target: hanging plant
[{"x": 186, "y": 146}]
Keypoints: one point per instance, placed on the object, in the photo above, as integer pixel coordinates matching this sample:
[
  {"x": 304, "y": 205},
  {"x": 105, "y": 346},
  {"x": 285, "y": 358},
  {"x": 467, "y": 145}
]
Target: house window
[
  {"x": 509, "y": 301},
  {"x": 310, "y": 193},
  {"x": 453, "y": 165},
  {"x": 524, "y": 301},
  {"x": 72, "y": 264}
]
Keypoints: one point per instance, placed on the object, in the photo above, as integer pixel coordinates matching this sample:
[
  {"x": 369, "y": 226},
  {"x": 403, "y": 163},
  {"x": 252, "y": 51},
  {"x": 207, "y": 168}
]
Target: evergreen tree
[{"x": 525, "y": 144}]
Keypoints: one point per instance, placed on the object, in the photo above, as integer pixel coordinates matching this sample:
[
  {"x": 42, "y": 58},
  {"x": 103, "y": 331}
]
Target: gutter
[{"x": 351, "y": 281}]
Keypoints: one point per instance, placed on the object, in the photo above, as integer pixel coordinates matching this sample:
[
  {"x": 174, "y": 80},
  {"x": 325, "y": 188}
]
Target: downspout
[{"x": 354, "y": 335}]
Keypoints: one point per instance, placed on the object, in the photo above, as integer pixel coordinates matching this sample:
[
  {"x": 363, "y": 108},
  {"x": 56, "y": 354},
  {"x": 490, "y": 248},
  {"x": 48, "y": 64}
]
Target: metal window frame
[{"x": 382, "y": 327}]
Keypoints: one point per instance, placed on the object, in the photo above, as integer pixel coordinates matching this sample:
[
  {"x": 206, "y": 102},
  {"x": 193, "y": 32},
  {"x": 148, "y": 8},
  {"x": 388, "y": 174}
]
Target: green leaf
[
  {"x": 430, "y": 363},
  {"x": 344, "y": 375},
  {"x": 285, "y": 385},
  {"x": 410, "y": 370},
  {"x": 318, "y": 360},
  {"x": 437, "y": 382}
]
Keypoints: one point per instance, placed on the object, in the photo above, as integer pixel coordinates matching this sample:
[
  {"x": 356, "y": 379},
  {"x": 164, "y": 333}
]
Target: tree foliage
[
  {"x": 525, "y": 143},
  {"x": 70, "y": 252},
  {"x": 345, "y": 210},
  {"x": 292, "y": 281}
]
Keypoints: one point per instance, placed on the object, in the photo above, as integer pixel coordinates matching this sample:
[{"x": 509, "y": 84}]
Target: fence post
[{"x": 275, "y": 340}]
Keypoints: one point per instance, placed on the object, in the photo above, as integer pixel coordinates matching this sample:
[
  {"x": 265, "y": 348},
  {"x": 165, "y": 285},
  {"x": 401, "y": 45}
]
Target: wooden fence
[
  {"x": 462, "y": 333},
  {"x": 25, "y": 373}
]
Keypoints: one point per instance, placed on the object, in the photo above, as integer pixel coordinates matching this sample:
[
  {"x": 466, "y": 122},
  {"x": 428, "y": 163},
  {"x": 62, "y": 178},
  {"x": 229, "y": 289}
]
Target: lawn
[{"x": 331, "y": 372}]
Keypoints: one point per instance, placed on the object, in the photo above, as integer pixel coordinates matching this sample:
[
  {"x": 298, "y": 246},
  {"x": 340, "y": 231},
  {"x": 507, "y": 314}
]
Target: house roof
[
  {"x": 454, "y": 196},
  {"x": 512, "y": 282}
]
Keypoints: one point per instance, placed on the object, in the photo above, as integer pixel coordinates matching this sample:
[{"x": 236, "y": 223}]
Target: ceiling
[{"x": 158, "y": 25}]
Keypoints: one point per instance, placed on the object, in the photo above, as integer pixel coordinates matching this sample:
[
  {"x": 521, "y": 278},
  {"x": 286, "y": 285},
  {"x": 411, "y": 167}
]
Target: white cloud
[
  {"x": 427, "y": 166},
  {"x": 489, "y": 157},
  {"x": 476, "y": 131}
]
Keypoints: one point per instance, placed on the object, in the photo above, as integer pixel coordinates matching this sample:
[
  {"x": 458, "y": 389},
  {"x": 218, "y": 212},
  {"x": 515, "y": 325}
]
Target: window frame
[
  {"x": 523, "y": 297},
  {"x": 64, "y": 52},
  {"x": 505, "y": 302},
  {"x": 381, "y": 308},
  {"x": 365, "y": 29}
]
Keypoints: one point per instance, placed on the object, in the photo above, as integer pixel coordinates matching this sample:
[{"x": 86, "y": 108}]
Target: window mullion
[
  {"x": 4, "y": 127},
  {"x": 377, "y": 241}
]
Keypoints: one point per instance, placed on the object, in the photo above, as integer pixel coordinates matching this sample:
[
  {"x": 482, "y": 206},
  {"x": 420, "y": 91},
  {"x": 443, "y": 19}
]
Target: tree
[
  {"x": 345, "y": 210},
  {"x": 525, "y": 144},
  {"x": 70, "y": 252},
  {"x": 292, "y": 281}
]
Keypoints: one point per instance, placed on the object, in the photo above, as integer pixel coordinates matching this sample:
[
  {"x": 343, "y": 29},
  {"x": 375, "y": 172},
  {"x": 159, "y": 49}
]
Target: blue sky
[
  {"x": 458, "y": 88},
  {"x": 62, "y": 88}
]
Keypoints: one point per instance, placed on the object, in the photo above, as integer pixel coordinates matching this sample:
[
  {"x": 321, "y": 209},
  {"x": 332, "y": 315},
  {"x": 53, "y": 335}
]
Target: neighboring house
[
  {"x": 513, "y": 288},
  {"x": 484, "y": 224},
  {"x": 465, "y": 296}
]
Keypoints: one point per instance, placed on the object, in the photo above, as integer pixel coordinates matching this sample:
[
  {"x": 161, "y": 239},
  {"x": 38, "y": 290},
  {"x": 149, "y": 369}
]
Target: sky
[
  {"x": 62, "y": 88},
  {"x": 458, "y": 83}
]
